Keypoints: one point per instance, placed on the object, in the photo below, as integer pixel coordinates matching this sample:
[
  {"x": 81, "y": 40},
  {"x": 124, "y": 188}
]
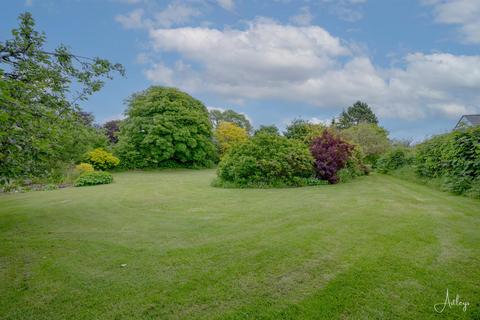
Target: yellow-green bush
[
  {"x": 84, "y": 167},
  {"x": 102, "y": 159},
  {"x": 228, "y": 134}
]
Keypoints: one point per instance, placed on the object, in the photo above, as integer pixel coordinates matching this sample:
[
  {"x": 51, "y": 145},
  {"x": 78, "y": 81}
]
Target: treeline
[{"x": 47, "y": 138}]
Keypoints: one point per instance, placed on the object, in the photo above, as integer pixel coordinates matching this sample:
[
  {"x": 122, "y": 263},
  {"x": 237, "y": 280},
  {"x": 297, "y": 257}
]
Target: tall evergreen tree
[{"x": 358, "y": 113}]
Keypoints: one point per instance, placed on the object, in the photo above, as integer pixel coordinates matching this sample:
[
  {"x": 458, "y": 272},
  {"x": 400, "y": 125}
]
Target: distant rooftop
[
  {"x": 474, "y": 119},
  {"x": 469, "y": 120}
]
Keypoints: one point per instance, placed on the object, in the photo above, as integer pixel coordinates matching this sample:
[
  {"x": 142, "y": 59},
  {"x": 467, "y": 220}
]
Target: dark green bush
[
  {"x": 457, "y": 184},
  {"x": 165, "y": 127},
  {"x": 453, "y": 154},
  {"x": 474, "y": 191},
  {"x": 449, "y": 161},
  {"x": 453, "y": 157},
  {"x": 93, "y": 178},
  {"x": 267, "y": 161},
  {"x": 394, "y": 159}
]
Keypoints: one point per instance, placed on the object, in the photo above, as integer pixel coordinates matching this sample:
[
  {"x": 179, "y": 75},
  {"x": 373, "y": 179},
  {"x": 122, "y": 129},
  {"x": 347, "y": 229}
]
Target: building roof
[
  {"x": 474, "y": 119},
  {"x": 469, "y": 119}
]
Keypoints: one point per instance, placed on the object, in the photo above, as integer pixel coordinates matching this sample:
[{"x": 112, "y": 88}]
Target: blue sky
[{"x": 416, "y": 62}]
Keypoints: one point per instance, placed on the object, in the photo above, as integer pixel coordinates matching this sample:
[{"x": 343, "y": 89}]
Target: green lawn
[{"x": 375, "y": 248}]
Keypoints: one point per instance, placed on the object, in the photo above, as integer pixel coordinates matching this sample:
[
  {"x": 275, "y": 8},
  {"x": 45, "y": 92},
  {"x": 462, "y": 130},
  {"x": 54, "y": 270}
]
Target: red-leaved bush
[{"x": 331, "y": 154}]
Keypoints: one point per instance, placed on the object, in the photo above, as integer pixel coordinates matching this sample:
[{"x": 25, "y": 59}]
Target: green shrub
[
  {"x": 267, "y": 161},
  {"x": 394, "y": 159},
  {"x": 355, "y": 163},
  {"x": 371, "y": 139},
  {"x": 102, "y": 159},
  {"x": 457, "y": 184},
  {"x": 93, "y": 178},
  {"x": 453, "y": 154},
  {"x": 345, "y": 175},
  {"x": 474, "y": 191}
]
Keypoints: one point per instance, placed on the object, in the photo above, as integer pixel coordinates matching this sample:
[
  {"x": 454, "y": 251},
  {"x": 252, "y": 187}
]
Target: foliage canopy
[
  {"x": 303, "y": 130},
  {"x": 271, "y": 129},
  {"x": 101, "y": 159},
  {"x": 217, "y": 116},
  {"x": 331, "y": 154},
  {"x": 42, "y": 126},
  {"x": 165, "y": 127},
  {"x": 372, "y": 139},
  {"x": 228, "y": 134},
  {"x": 358, "y": 113},
  {"x": 454, "y": 155},
  {"x": 267, "y": 160}
]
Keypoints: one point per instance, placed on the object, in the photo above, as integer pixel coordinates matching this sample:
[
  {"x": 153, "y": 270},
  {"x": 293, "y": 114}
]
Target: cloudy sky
[{"x": 415, "y": 62}]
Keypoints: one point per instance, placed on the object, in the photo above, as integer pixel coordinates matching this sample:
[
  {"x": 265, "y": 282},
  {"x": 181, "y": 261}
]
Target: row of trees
[
  {"x": 44, "y": 130},
  {"x": 306, "y": 153}
]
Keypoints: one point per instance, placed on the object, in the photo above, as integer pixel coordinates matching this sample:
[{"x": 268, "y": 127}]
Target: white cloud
[
  {"x": 464, "y": 13},
  {"x": 161, "y": 74},
  {"x": 325, "y": 122},
  {"x": 347, "y": 10},
  {"x": 226, "y": 4},
  {"x": 175, "y": 13},
  {"x": 133, "y": 20},
  {"x": 267, "y": 60},
  {"x": 303, "y": 18}
]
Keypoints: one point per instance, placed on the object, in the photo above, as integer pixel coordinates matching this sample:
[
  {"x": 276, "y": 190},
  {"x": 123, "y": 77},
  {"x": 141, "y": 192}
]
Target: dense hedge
[
  {"x": 455, "y": 157},
  {"x": 450, "y": 161},
  {"x": 267, "y": 160},
  {"x": 453, "y": 154}
]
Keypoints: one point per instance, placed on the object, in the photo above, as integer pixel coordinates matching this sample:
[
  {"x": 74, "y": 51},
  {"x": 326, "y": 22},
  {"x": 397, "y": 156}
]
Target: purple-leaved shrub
[{"x": 331, "y": 154}]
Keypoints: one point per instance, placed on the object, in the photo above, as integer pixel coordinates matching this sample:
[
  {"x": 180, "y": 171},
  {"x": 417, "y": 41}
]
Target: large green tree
[
  {"x": 165, "y": 127},
  {"x": 216, "y": 116},
  {"x": 41, "y": 123},
  {"x": 358, "y": 113}
]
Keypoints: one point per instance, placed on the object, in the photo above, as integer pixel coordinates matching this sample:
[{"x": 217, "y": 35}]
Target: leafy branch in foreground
[{"x": 39, "y": 115}]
